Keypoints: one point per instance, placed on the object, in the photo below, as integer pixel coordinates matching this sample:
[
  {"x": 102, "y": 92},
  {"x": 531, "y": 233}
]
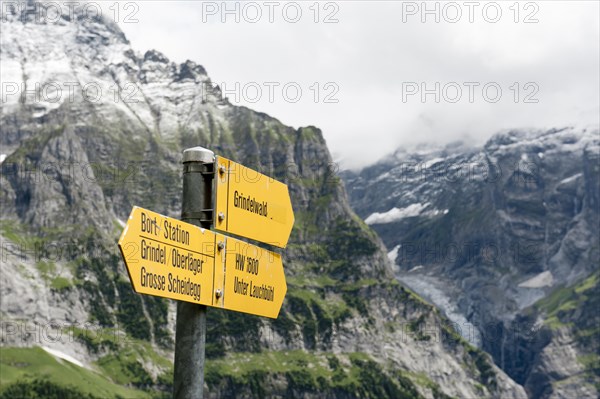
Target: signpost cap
[{"x": 198, "y": 154}]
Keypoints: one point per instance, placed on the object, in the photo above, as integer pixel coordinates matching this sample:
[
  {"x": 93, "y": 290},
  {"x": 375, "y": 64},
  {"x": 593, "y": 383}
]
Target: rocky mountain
[
  {"x": 505, "y": 239},
  {"x": 91, "y": 128}
]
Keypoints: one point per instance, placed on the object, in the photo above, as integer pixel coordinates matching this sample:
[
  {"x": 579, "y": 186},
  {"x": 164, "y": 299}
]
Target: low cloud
[{"x": 379, "y": 75}]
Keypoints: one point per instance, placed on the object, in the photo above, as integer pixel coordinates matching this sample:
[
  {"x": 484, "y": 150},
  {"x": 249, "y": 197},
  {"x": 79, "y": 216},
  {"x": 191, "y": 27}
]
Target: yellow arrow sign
[
  {"x": 254, "y": 279},
  {"x": 252, "y": 205},
  {"x": 169, "y": 258}
]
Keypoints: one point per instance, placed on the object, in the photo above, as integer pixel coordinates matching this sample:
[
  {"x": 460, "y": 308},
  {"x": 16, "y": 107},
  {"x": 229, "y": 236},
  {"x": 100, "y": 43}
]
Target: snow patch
[
  {"x": 383, "y": 176},
  {"x": 396, "y": 214},
  {"x": 2, "y": 158},
  {"x": 435, "y": 212},
  {"x": 414, "y": 269},
  {"x": 544, "y": 279},
  {"x": 393, "y": 254},
  {"x": 570, "y": 179},
  {"x": 430, "y": 163},
  {"x": 63, "y": 356}
]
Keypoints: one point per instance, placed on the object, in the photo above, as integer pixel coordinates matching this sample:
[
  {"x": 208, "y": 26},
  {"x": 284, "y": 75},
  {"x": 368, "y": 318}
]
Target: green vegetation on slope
[
  {"x": 577, "y": 307},
  {"x": 349, "y": 375},
  {"x": 34, "y": 373},
  {"x": 24, "y": 370},
  {"x": 42, "y": 389}
]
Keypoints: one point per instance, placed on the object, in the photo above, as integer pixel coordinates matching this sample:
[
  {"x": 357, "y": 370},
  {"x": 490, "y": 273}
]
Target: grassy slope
[
  {"x": 28, "y": 364},
  {"x": 350, "y": 374}
]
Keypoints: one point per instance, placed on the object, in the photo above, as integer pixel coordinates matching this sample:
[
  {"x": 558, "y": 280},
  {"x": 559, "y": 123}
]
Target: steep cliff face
[
  {"x": 94, "y": 128},
  {"x": 500, "y": 237}
]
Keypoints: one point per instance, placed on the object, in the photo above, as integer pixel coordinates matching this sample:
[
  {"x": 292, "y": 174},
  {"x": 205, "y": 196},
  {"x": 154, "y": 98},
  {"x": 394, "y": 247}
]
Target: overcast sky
[{"x": 362, "y": 66}]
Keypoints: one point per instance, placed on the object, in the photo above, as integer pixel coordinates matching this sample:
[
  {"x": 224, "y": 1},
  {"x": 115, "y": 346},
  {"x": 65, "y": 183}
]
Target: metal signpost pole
[{"x": 190, "y": 334}]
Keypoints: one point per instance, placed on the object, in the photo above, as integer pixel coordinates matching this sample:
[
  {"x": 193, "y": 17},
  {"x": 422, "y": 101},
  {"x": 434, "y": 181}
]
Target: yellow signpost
[
  {"x": 254, "y": 279},
  {"x": 252, "y": 205},
  {"x": 169, "y": 258}
]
